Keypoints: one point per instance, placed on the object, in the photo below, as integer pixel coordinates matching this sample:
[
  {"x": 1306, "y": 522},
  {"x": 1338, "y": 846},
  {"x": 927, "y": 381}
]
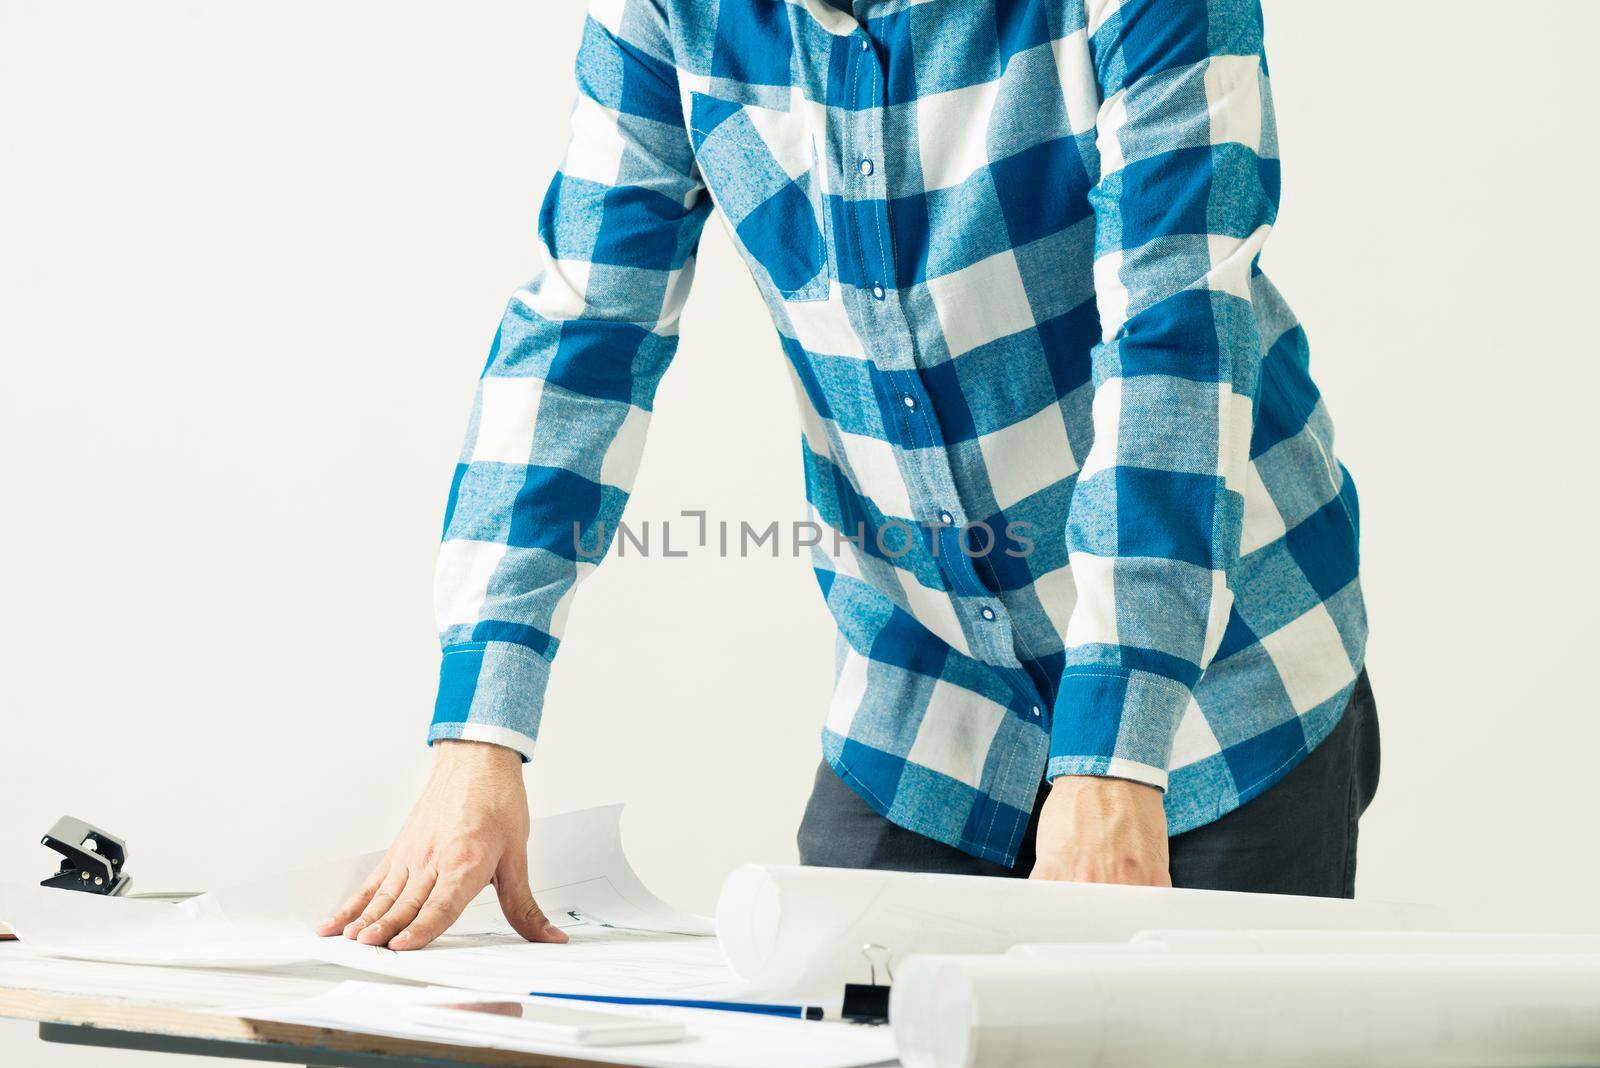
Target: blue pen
[{"x": 798, "y": 1012}]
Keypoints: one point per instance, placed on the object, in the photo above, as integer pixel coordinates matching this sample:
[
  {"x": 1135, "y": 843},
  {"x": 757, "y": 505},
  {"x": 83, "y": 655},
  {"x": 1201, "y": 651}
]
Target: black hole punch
[{"x": 91, "y": 859}]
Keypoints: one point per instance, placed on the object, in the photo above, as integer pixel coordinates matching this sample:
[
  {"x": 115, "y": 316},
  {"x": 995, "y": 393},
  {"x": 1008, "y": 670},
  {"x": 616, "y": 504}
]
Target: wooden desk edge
[{"x": 117, "y": 1014}]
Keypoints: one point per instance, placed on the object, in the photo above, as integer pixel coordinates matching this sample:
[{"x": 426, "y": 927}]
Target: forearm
[
  {"x": 1186, "y": 197},
  {"x": 564, "y": 402}
]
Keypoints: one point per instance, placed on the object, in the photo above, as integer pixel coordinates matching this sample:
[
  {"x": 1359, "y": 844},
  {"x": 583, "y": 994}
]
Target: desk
[
  {"x": 192, "y": 1010},
  {"x": 126, "y": 1022}
]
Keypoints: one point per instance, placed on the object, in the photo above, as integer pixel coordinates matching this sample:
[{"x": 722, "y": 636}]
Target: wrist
[
  {"x": 457, "y": 752},
  {"x": 1103, "y": 830},
  {"x": 1076, "y": 785}
]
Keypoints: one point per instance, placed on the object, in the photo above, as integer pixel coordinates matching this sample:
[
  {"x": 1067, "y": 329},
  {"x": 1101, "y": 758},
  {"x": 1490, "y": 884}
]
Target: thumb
[{"x": 516, "y": 901}]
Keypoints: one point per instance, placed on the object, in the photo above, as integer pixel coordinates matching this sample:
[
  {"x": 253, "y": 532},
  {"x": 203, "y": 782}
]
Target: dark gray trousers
[{"x": 1299, "y": 837}]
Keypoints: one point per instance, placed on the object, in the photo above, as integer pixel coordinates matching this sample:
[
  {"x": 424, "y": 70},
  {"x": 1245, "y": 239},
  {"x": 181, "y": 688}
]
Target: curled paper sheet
[
  {"x": 800, "y": 931},
  {"x": 582, "y": 880},
  {"x": 1248, "y": 1011}
]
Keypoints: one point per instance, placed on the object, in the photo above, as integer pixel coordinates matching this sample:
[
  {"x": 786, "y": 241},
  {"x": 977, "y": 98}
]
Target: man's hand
[
  {"x": 1100, "y": 830},
  {"x": 468, "y": 829}
]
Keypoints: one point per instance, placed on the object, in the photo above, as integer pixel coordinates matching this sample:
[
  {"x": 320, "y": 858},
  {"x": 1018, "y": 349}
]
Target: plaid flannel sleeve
[
  {"x": 1187, "y": 193},
  {"x": 559, "y": 420}
]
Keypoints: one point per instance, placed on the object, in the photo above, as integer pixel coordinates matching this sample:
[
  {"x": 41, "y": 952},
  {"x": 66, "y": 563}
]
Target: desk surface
[{"x": 133, "y": 1024}]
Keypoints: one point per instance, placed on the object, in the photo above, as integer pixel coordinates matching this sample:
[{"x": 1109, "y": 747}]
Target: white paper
[
  {"x": 801, "y": 931},
  {"x": 582, "y": 879},
  {"x": 24, "y": 969},
  {"x": 715, "y": 1039},
  {"x": 596, "y": 961},
  {"x": 1249, "y": 1011},
  {"x": 70, "y": 924}
]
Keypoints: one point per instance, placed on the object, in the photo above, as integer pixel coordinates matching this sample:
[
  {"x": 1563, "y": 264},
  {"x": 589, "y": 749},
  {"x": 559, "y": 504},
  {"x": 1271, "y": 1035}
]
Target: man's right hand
[{"x": 468, "y": 829}]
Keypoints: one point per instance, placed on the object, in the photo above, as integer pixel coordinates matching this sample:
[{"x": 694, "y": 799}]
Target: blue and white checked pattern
[{"x": 1011, "y": 249}]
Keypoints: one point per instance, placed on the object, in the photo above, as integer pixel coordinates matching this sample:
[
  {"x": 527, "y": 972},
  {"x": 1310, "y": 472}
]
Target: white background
[{"x": 251, "y": 257}]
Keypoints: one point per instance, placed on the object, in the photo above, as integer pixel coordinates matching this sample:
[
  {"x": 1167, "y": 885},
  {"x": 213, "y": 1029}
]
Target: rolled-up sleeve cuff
[
  {"x": 490, "y": 692},
  {"x": 1118, "y": 724}
]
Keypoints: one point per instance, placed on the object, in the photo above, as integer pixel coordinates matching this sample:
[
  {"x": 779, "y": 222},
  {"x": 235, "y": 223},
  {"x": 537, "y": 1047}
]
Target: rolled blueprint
[
  {"x": 1365, "y": 942},
  {"x": 1248, "y": 1011},
  {"x": 802, "y": 931},
  {"x": 1328, "y": 942}
]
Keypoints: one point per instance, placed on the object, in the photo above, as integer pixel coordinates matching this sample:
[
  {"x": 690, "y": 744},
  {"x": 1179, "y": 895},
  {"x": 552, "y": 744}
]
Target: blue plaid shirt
[{"x": 1087, "y": 514}]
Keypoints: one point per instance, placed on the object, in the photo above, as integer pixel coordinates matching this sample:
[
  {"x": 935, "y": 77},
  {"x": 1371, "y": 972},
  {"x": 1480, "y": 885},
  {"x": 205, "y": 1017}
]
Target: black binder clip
[
  {"x": 91, "y": 859},
  {"x": 868, "y": 1003}
]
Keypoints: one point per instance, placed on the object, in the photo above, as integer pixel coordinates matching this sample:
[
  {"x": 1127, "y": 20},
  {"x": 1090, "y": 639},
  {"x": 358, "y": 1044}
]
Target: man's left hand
[{"x": 1101, "y": 830}]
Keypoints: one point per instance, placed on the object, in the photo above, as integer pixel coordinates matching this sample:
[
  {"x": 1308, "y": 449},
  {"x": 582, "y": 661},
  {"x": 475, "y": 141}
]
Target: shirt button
[
  {"x": 878, "y": 292},
  {"x": 865, "y": 44},
  {"x": 865, "y": 166},
  {"x": 987, "y": 613},
  {"x": 1034, "y": 710},
  {"x": 947, "y": 519},
  {"x": 909, "y": 401}
]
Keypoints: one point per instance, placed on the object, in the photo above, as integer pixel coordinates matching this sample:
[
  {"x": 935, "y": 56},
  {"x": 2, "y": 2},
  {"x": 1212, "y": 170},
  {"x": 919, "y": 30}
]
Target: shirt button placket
[
  {"x": 871, "y": 185},
  {"x": 866, "y": 168}
]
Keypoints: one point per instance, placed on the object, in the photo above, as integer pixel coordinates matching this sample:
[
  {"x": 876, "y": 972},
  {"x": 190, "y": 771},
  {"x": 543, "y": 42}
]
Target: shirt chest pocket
[{"x": 761, "y": 167}]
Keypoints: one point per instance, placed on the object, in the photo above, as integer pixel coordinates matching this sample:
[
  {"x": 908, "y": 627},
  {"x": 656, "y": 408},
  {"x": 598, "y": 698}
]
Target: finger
[
  {"x": 382, "y": 900},
  {"x": 516, "y": 901},
  {"x": 402, "y": 912},
  {"x": 355, "y": 902},
  {"x": 450, "y": 897}
]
